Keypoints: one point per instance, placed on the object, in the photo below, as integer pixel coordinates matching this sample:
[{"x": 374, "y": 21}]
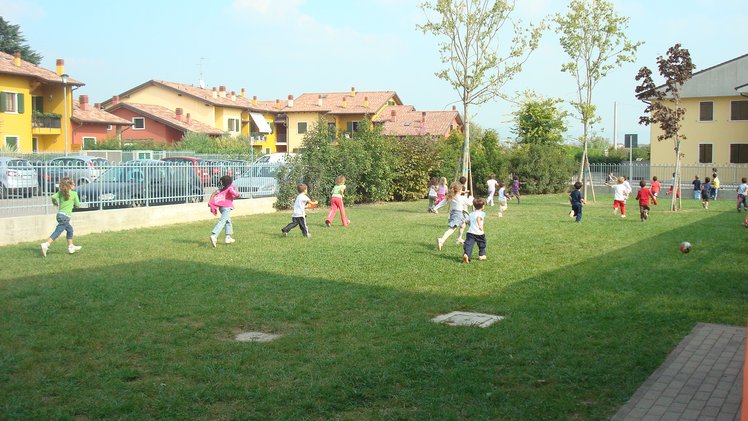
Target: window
[
  {"x": 138, "y": 123},
  {"x": 34, "y": 145},
  {"x": 739, "y": 153},
  {"x": 11, "y": 143},
  {"x": 89, "y": 142},
  {"x": 11, "y": 102},
  {"x": 352, "y": 126},
  {"x": 109, "y": 127},
  {"x": 233, "y": 124},
  {"x": 706, "y": 111},
  {"x": 705, "y": 153},
  {"x": 37, "y": 103},
  {"x": 739, "y": 110},
  {"x": 301, "y": 127}
]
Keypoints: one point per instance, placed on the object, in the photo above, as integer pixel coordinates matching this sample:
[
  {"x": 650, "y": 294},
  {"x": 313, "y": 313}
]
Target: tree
[
  {"x": 475, "y": 67},
  {"x": 539, "y": 120},
  {"x": 663, "y": 102},
  {"x": 11, "y": 40},
  {"x": 593, "y": 38}
]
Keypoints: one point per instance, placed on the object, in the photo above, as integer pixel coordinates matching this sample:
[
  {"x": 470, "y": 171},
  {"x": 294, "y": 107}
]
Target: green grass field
[{"x": 139, "y": 324}]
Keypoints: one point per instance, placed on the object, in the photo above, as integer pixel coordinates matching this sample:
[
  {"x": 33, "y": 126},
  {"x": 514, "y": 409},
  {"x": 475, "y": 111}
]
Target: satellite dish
[{"x": 202, "y": 83}]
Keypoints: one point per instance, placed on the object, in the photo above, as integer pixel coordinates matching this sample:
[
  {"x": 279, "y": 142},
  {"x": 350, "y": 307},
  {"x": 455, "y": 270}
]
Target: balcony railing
[{"x": 46, "y": 122}]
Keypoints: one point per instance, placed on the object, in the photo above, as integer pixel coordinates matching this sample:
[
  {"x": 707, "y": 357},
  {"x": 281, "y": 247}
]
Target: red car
[{"x": 197, "y": 164}]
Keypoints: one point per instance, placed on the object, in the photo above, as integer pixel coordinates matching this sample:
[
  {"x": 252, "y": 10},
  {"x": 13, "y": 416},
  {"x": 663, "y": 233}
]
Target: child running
[
  {"x": 65, "y": 199},
  {"x": 441, "y": 191},
  {"x": 706, "y": 192},
  {"x": 223, "y": 201},
  {"x": 515, "y": 187},
  {"x": 458, "y": 204},
  {"x": 503, "y": 200},
  {"x": 656, "y": 186},
  {"x": 475, "y": 233},
  {"x": 619, "y": 197},
  {"x": 643, "y": 196},
  {"x": 577, "y": 199},
  {"x": 491, "y": 183},
  {"x": 742, "y": 191},
  {"x": 336, "y": 202},
  {"x": 433, "y": 185},
  {"x": 299, "y": 212}
]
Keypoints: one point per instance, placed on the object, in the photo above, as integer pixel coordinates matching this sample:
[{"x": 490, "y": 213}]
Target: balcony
[{"x": 46, "y": 123}]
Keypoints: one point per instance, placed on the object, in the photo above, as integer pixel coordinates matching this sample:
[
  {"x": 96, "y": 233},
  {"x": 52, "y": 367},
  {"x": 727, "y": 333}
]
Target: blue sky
[{"x": 278, "y": 47}]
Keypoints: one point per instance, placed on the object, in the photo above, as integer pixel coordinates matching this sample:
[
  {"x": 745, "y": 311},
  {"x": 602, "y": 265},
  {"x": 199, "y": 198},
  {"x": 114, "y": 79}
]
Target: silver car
[
  {"x": 82, "y": 169},
  {"x": 260, "y": 180},
  {"x": 17, "y": 177}
]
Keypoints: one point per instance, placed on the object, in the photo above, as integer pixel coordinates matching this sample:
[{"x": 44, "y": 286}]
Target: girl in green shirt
[
  {"x": 336, "y": 202},
  {"x": 65, "y": 199}
]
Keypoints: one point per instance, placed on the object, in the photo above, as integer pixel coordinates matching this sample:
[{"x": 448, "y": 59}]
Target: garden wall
[{"x": 38, "y": 227}]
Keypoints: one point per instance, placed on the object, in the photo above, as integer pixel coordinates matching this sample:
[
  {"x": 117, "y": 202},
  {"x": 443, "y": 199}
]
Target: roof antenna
[{"x": 200, "y": 66}]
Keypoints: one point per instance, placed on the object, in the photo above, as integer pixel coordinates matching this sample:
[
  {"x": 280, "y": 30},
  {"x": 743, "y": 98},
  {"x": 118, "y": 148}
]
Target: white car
[
  {"x": 274, "y": 158},
  {"x": 259, "y": 180},
  {"x": 18, "y": 177}
]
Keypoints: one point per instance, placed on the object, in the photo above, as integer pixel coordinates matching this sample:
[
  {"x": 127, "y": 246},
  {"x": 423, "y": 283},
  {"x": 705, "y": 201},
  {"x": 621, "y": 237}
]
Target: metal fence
[
  {"x": 729, "y": 175},
  {"x": 25, "y": 185}
]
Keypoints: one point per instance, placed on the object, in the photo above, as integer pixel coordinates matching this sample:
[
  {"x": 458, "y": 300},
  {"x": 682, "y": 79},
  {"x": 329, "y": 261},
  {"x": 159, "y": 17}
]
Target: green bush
[
  {"x": 416, "y": 161},
  {"x": 542, "y": 168}
]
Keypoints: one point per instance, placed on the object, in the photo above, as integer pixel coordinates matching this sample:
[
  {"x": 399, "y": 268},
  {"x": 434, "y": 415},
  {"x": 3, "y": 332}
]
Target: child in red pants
[{"x": 336, "y": 202}]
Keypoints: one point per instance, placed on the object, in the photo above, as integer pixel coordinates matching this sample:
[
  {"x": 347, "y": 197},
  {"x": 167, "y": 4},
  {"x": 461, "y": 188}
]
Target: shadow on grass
[{"x": 152, "y": 339}]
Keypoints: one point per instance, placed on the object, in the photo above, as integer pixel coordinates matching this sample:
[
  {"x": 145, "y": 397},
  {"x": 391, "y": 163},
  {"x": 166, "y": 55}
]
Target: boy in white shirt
[
  {"x": 299, "y": 212},
  {"x": 619, "y": 196},
  {"x": 475, "y": 233},
  {"x": 492, "y": 184}
]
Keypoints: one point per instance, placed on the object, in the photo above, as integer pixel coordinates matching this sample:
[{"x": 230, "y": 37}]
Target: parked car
[
  {"x": 274, "y": 158},
  {"x": 197, "y": 165},
  {"x": 82, "y": 169},
  {"x": 259, "y": 181},
  {"x": 17, "y": 177},
  {"x": 142, "y": 182}
]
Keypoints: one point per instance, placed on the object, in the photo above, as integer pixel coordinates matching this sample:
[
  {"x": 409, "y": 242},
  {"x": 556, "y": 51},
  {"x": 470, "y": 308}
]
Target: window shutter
[
  {"x": 21, "y": 107},
  {"x": 2, "y": 102}
]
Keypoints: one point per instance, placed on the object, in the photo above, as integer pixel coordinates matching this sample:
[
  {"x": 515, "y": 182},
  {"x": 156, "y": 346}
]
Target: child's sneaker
[
  {"x": 229, "y": 240},
  {"x": 285, "y": 234},
  {"x": 439, "y": 244},
  {"x": 481, "y": 257},
  {"x": 327, "y": 224},
  {"x": 213, "y": 240},
  {"x": 623, "y": 216},
  {"x": 308, "y": 235},
  {"x": 73, "y": 249},
  {"x": 465, "y": 258},
  {"x": 45, "y": 247}
]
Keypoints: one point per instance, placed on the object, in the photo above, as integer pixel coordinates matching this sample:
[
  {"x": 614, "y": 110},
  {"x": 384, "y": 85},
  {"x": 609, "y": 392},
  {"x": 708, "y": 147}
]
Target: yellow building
[
  {"x": 716, "y": 119},
  {"x": 34, "y": 116},
  {"x": 232, "y": 113}
]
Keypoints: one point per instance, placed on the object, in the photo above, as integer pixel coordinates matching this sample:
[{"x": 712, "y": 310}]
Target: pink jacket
[{"x": 223, "y": 199}]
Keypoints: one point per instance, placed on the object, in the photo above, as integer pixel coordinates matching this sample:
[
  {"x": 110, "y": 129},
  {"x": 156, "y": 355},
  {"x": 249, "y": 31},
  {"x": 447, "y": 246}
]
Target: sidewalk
[{"x": 702, "y": 379}]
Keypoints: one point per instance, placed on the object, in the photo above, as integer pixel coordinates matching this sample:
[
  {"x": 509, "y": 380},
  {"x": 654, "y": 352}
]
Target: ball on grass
[{"x": 685, "y": 247}]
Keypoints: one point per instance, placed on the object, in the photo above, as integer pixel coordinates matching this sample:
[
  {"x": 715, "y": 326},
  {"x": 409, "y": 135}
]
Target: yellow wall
[
  {"x": 720, "y": 133},
  {"x": 295, "y": 139},
  {"x": 13, "y": 124},
  {"x": 261, "y": 145}
]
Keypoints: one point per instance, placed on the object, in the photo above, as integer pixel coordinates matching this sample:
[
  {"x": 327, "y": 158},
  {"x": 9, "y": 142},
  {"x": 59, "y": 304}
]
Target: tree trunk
[
  {"x": 465, "y": 164},
  {"x": 676, "y": 180}
]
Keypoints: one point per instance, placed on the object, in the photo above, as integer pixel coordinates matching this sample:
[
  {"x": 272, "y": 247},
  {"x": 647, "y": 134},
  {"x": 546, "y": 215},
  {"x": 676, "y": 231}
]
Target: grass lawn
[{"x": 139, "y": 324}]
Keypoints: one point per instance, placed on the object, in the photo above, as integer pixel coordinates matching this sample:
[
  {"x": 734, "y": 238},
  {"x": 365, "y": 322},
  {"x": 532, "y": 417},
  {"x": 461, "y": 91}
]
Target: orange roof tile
[
  {"x": 7, "y": 66},
  {"x": 409, "y": 122},
  {"x": 332, "y": 102},
  {"x": 168, "y": 117},
  {"x": 96, "y": 115}
]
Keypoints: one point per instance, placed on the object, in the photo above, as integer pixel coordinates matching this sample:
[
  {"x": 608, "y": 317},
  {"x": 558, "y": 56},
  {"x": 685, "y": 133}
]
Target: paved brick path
[{"x": 702, "y": 379}]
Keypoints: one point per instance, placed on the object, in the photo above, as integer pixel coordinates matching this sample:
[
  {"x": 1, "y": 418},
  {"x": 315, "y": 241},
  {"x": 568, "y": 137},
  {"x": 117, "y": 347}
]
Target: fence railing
[
  {"x": 729, "y": 175},
  {"x": 26, "y": 185}
]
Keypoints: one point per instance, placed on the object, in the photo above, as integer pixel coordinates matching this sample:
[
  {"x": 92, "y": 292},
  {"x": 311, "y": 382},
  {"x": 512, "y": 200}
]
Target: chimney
[
  {"x": 233, "y": 95},
  {"x": 214, "y": 92},
  {"x": 179, "y": 113},
  {"x": 454, "y": 108},
  {"x": 353, "y": 91},
  {"x": 115, "y": 100},
  {"x": 345, "y": 103},
  {"x": 290, "y": 101},
  {"x": 392, "y": 115},
  {"x": 244, "y": 92},
  {"x": 60, "y": 67},
  {"x": 17, "y": 58},
  {"x": 254, "y": 100},
  {"x": 188, "y": 119},
  {"x": 277, "y": 103},
  {"x": 97, "y": 106},
  {"x": 423, "y": 117},
  {"x": 83, "y": 100},
  {"x": 319, "y": 100},
  {"x": 222, "y": 91},
  {"x": 366, "y": 102}
]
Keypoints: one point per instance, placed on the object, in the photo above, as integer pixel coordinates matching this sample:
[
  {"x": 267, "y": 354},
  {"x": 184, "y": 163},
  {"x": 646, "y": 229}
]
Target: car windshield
[
  {"x": 123, "y": 175},
  {"x": 20, "y": 164}
]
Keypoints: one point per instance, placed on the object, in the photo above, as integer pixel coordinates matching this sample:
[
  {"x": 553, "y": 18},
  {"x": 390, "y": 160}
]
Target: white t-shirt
[
  {"x": 492, "y": 185},
  {"x": 474, "y": 228},
  {"x": 299, "y": 206},
  {"x": 619, "y": 191},
  {"x": 502, "y": 193},
  {"x": 460, "y": 203}
]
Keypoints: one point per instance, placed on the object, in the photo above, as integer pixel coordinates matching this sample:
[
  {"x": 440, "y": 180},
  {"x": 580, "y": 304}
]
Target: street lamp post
[{"x": 64, "y": 78}]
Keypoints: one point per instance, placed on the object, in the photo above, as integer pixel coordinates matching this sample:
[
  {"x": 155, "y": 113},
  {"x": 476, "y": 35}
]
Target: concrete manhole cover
[
  {"x": 256, "y": 337},
  {"x": 463, "y": 318}
]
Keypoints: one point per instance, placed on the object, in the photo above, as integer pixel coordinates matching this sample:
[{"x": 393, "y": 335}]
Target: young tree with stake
[
  {"x": 663, "y": 103},
  {"x": 475, "y": 67}
]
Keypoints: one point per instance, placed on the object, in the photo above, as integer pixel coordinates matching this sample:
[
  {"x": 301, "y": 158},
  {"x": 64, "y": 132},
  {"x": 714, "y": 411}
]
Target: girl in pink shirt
[{"x": 223, "y": 201}]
